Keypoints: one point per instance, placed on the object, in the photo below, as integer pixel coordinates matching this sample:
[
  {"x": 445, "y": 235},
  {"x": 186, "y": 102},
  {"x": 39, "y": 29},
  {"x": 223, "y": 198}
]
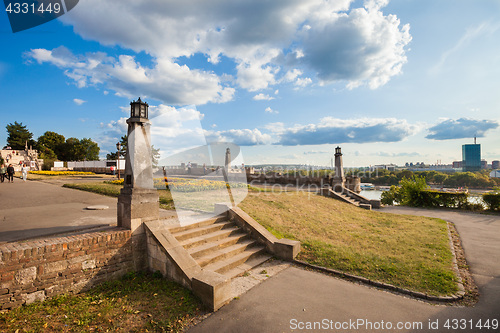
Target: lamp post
[{"x": 118, "y": 148}]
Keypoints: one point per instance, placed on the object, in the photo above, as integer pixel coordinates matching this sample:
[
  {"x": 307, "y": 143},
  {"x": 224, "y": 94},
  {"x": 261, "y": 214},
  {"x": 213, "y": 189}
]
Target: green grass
[
  {"x": 113, "y": 190},
  {"x": 139, "y": 302},
  {"x": 407, "y": 251}
]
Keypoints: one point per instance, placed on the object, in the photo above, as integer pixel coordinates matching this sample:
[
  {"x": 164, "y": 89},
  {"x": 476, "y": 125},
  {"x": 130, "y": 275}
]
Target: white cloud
[
  {"x": 78, "y": 101},
  {"x": 269, "y": 110},
  {"x": 165, "y": 81},
  {"x": 335, "y": 131},
  {"x": 331, "y": 42},
  {"x": 262, "y": 97},
  {"x": 241, "y": 137},
  {"x": 172, "y": 129}
]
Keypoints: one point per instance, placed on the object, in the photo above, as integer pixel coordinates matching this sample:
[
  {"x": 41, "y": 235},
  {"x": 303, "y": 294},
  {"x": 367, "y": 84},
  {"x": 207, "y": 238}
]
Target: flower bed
[
  {"x": 60, "y": 173},
  {"x": 186, "y": 184}
]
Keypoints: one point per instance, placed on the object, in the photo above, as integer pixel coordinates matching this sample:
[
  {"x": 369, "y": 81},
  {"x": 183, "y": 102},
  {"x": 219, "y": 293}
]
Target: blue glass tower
[{"x": 471, "y": 157}]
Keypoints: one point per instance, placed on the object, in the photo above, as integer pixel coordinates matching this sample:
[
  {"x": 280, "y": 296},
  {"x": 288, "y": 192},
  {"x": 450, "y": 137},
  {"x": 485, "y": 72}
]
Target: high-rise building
[
  {"x": 471, "y": 157},
  {"x": 495, "y": 164}
]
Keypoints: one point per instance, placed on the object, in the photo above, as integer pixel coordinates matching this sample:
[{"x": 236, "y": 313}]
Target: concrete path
[
  {"x": 35, "y": 209},
  {"x": 295, "y": 296}
]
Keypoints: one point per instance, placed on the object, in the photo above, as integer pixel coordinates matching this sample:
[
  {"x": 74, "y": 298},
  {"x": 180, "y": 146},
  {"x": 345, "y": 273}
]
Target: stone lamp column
[
  {"x": 338, "y": 181},
  {"x": 138, "y": 200}
]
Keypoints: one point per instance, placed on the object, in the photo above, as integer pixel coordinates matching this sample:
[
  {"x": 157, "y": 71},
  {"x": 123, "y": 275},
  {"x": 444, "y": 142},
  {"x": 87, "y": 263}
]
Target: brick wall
[{"x": 38, "y": 269}]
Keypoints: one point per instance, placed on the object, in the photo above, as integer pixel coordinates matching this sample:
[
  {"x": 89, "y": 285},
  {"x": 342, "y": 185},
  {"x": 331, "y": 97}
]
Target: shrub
[{"x": 492, "y": 200}]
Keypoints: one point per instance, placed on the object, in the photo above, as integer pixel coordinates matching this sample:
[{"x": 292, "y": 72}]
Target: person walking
[
  {"x": 10, "y": 173},
  {"x": 24, "y": 171},
  {"x": 3, "y": 172}
]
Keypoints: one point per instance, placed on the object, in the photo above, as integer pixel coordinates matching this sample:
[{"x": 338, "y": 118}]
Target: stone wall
[{"x": 39, "y": 269}]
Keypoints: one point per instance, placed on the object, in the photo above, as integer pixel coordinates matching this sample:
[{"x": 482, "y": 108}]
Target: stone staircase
[
  {"x": 205, "y": 256},
  {"x": 221, "y": 246},
  {"x": 350, "y": 197}
]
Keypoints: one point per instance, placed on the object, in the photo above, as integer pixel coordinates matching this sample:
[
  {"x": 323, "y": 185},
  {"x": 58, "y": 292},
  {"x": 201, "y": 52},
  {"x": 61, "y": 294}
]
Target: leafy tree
[
  {"x": 123, "y": 149},
  {"x": 79, "y": 150},
  {"x": 46, "y": 154},
  {"x": 50, "y": 141},
  {"x": 89, "y": 150},
  {"x": 155, "y": 155},
  {"x": 18, "y": 135}
]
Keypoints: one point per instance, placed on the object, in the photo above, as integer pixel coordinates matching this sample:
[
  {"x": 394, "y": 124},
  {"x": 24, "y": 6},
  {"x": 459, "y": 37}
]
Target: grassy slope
[{"x": 406, "y": 251}]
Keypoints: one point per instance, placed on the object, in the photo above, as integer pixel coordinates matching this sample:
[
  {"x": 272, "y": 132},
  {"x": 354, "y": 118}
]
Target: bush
[
  {"x": 447, "y": 199},
  {"x": 492, "y": 200}
]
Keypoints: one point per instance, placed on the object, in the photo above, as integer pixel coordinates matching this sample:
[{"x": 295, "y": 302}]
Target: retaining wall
[{"x": 35, "y": 270}]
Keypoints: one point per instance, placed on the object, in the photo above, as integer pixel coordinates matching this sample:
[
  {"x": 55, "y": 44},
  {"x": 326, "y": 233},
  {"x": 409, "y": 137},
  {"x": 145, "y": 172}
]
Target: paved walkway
[
  {"x": 35, "y": 209},
  {"x": 296, "y": 295}
]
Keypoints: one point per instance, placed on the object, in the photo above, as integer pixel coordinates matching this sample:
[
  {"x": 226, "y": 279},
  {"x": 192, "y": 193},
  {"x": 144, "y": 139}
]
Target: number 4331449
[
  {"x": 25, "y": 8},
  {"x": 464, "y": 324}
]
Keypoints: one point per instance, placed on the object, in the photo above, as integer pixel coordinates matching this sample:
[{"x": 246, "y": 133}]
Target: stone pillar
[
  {"x": 338, "y": 181},
  {"x": 138, "y": 201},
  {"x": 227, "y": 162}
]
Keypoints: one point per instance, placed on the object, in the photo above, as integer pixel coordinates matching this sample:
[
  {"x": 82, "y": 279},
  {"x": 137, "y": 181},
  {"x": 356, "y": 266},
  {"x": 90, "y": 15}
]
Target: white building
[{"x": 495, "y": 174}]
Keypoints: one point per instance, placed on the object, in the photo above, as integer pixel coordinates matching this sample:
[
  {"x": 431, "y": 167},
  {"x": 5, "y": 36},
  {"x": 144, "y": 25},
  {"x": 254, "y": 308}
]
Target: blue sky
[{"x": 390, "y": 82}]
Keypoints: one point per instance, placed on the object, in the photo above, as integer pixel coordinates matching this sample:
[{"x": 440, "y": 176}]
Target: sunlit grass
[{"x": 407, "y": 251}]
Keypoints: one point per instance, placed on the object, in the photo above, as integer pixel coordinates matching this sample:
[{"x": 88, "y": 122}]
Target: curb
[{"x": 458, "y": 296}]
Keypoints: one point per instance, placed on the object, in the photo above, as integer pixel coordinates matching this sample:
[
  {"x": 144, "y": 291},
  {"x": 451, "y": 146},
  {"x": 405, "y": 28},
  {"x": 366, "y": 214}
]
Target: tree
[
  {"x": 18, "y": 135},
  {"x": 89, "y": 150},
  {"x": 123, "y": 149},
  {"x": 155, "y": 156},
  {"x": 50, "y": 141},
  {"x": 79, "y": 150}
]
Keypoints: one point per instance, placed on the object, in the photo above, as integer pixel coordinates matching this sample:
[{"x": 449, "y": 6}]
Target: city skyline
[{"x": 390, "y": 82}]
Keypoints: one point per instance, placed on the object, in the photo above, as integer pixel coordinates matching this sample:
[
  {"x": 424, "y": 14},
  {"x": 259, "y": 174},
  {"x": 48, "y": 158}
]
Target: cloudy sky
[{"x": 287, "y": 80}]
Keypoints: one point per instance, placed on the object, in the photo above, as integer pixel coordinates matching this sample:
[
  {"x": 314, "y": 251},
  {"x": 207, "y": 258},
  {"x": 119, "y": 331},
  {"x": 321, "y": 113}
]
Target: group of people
[{"x": 8, "y": 172}]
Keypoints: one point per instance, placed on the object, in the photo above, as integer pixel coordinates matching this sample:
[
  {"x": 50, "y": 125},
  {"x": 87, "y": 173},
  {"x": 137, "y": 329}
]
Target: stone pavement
[{"x": 296, "y": 296}]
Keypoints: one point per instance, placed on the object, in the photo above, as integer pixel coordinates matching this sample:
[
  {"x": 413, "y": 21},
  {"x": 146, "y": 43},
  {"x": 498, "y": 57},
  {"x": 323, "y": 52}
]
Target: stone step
[
  {"x": 202, "y": 250},
  {"x": 192, "y": 233},
  {"x": 248, "y": 265},
  {"x": 225, "y": 253},
  {"x": 177, "y": 229},
  {"x": 228, "y": 264},
  {"x": 210, "y": 237}
]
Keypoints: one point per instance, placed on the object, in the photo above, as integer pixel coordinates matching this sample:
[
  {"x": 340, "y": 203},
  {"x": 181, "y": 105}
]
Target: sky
[{"x": 286, "y": 80}]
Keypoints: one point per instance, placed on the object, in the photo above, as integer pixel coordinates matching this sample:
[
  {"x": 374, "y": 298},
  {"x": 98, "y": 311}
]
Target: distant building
[
  {"x": 457, "y": 165},
  {"x": 389, "y": 167},
  {"x": 495, "y": 174},
  {"x": 495, "y": 164},
  {"x": 484, "y": 164},
  {"x": 471, "y": 157}
]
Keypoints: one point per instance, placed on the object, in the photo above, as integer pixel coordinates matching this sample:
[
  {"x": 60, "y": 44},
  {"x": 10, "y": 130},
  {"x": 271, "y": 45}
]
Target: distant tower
[
  {"x": 471, "y": 156},
  {"x": 227, "y": 162},
  {"x": 338, "y": 180}
]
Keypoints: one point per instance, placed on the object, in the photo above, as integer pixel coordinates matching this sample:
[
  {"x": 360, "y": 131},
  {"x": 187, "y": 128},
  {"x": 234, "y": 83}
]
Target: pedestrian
[
  {"x": 189, "y": 168},
  {"x": 24, "y": 171},
  {"x": 10, "y": 173},
  {"x": 112, "y": 168},
  {"x": 3, "y": 171}
]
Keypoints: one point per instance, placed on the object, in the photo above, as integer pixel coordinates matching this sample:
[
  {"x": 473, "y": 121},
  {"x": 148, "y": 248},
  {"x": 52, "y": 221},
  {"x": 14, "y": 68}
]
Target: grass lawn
[
  {"x": 139, "y": 302},
  {"x": 113, "y": 190},
  {"x": 406, "y": 251}
]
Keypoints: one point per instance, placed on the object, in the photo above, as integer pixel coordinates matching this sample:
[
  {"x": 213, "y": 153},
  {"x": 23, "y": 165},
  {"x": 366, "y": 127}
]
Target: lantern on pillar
[
  {"x": 138, "y": 199},
  {"x": 139, "y": 109}
]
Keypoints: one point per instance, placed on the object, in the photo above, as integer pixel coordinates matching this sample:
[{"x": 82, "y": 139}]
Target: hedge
[{"x": 492, "y": 200}]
